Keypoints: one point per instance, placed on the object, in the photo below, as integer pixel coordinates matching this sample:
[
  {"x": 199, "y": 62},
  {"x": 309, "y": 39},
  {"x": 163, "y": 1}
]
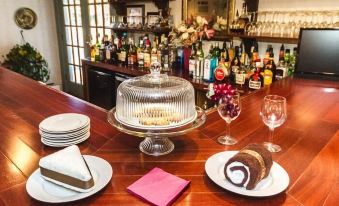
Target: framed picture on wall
[
  {"x": 135, "y": 14},
  {"x": 152, "y": 18}
]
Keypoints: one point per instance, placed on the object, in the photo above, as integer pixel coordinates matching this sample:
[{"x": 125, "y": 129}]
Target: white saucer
[
  {"x": 45, "y": 191},
  {"x": 64, "y": 144},
  {"x": 276, "y": 182},
  {"x": 66, "y": 122},
  {"x": 65, "y": 136}
]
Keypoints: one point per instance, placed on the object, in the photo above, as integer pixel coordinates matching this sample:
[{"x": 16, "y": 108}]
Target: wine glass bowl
[
  {"x": 273, "y": 113},
  {"x": 229, "y": 109}
]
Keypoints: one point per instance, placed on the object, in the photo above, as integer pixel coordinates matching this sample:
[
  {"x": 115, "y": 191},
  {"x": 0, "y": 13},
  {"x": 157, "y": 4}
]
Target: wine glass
[
  {"x": 273, "y": 113},
  {"x": 229, "y": 108}
]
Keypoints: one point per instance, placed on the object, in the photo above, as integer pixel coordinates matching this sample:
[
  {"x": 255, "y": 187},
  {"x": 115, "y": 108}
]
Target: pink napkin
[{"x": 158, "y": 187}]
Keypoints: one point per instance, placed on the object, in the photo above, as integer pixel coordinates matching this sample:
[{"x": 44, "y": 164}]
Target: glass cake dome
[{"x": 155, "y": 101}]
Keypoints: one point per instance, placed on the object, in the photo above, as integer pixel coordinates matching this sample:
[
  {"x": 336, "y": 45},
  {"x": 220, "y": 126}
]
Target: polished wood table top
[{"x": 309, "y": 140}]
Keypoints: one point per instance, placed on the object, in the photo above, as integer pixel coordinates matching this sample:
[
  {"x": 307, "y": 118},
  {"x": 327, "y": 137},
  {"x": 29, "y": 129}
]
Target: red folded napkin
[{"x": 158, "y": 187}]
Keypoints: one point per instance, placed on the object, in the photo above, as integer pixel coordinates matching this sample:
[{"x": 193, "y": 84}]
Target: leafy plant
[{"x": 26, "y": 60}]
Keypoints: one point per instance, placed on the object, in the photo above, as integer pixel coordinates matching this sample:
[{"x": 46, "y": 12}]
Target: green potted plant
[{"x": 26, "y": 60}]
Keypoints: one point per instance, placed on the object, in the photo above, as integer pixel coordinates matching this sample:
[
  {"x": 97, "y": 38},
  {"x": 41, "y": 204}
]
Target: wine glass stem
[
  {"x": 271, "y": 134},
  {"x": 228, "y": 130}
]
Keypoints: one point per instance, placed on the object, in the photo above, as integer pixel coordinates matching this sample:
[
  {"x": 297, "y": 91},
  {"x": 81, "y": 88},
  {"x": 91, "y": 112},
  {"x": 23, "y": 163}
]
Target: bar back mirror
[{"x": 206, "y": 8}]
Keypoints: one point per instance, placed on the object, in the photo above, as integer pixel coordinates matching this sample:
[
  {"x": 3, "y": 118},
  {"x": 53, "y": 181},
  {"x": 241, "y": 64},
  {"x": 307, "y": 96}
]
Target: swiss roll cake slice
[
  {"x": 67, "y": 168},
  {"x": 249, "y": 166}
]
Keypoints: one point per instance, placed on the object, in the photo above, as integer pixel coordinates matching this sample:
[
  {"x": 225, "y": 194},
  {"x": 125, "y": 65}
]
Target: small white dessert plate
[
  {"x": 276, "y": 182},
  {"x": 40, "y": 189},
  {"x": 64, "y": 144},
  {"x": 66, "y": 122}
]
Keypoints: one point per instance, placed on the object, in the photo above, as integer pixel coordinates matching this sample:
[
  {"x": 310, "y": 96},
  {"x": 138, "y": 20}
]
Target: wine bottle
[
  {"x": 147, "y": 55},
  {"x": 269, "y": 69},
  {"x": 154, "y": 51},
  {"x": 140, "y": 53},
  {"x": 209, "y": 66},
  {"x": 256, "y": 80},
  {"x": 235, "y": 65},
  {"x": 165, "y": 56},
  {"x": 192, "y": 62},
  {"x": 200, "y": 62}
]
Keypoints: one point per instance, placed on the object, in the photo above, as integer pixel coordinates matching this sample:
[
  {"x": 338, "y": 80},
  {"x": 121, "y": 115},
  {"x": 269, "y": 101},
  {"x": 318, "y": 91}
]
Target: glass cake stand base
[
  {"x": 156, "y": 146},
  {"x": 156, "y": 140}
]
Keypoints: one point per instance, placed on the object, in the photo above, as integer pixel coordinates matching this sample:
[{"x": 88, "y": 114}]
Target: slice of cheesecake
[{"x": 67, "y": 168}]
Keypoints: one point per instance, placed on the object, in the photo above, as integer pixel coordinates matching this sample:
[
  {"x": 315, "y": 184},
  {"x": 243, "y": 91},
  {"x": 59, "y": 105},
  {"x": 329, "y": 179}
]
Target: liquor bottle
[
  {"x": 255, "y": 54},
  {"x": 221, "y": 73},
  {"x": 92, "y": 49},
  {"x": 123, "y": 52},
  {"x": 154, "y": 51},
  {"x": 242, "y": 53},
  {"x": 255, "y": 57},
  {"x": 147, "y": 55},
  {"x": 119, "y": 50},
  {"x": 114, "y": 56},
  {"x": 140, "y": 53},
  {"x": 292, "y": 62},
  {"x": 269, "y": 69},
  {"x": 223, "y": 51},
  {"x": 282, "y": 53},
  {"x": 165, "y": 56},
  {"x": 231, "y": 52},
  {"x": 179, "y": 63},
  {"x": 102, "y": 50},
  {"x": 287, "y": 56},
  {"x": 235, "y": 65},
  {"x": 132, "y": 54},
  {"x": 97, "y": 49},
  {"x": 267, "y": 55},
  {"x": 209, "y": 66},
  {"x": 217, "y": 52},
  {"x": 200, "y": 62},
  {"x": 240, "y": 75},
  {"x": 256, "y": 80},
  {"x": 281, "y": 71},
  {"x": 192, "y": 62},
  {"x": 108, "y": 53}
]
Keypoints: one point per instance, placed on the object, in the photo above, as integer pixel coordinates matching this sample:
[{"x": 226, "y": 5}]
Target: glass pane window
[
  {"x": 74, "y": 39},
  {"x": 99, "y": 19}
]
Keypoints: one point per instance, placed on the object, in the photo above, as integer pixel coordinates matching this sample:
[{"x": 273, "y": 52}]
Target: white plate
[
  {"x": 45, "y": 191},
  {"x": 65, "y": 135},
  {"x": 276, "y": 182},
  {"x": 65, "y": 140},
  {"x": 64, "y": 122},
  {"x": 87, "y": 126},
  {"x": 55, "y": 144}
]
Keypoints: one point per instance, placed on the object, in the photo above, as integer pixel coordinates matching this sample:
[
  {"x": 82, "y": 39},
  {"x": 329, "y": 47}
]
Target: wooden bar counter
[{"x": 309, "y": 140}]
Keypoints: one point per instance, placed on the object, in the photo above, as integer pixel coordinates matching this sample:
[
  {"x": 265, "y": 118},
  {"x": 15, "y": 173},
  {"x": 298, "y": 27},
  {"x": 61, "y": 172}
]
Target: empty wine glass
[
  {"x": 273, "y": 113},
  {"x": 229, "y": 108}
]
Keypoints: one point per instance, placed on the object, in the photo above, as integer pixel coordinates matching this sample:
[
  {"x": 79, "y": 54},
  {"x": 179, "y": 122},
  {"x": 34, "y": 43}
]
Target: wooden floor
[{"x": 309, "y": 140}]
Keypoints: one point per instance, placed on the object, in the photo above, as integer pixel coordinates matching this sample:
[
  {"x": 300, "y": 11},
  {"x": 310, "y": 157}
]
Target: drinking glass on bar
[
  {"x": 229, "y": 108},
  {"x": 273, "y": 113}
]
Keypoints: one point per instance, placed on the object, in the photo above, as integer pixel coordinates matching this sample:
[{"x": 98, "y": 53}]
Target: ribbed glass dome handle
[{"x": 155, "y": 68}]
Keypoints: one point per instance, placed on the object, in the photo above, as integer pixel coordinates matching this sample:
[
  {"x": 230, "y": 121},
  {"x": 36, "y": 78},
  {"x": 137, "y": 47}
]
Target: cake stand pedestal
[{"x": 157, "y": 140}]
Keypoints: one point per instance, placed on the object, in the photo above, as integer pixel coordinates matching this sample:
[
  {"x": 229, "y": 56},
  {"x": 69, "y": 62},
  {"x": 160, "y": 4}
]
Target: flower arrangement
[
  {"x": 220, "y": 24},
  {"x": 26, "y": 60},
  {"x": 189, "y": 32}
]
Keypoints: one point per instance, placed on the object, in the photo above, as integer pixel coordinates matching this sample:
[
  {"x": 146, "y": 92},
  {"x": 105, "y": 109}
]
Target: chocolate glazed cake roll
[{"x": 250, "y": 165}]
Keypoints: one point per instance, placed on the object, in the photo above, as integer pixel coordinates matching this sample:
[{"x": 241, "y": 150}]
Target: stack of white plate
[{"x": 64, "y": 129}]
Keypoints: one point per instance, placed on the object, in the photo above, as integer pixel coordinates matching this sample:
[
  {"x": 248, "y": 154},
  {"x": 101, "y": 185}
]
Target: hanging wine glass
[
  {"x": 229, "y": 108},
  {"x": 273, "y": 113}
]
